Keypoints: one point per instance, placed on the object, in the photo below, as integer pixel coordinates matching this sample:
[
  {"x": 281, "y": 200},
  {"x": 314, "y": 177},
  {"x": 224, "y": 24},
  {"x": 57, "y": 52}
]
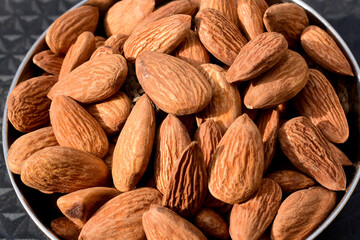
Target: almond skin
[
  {"x": 64, "y": 170},
  {"x": 64, "y": 31},
  {"x": 28, "y": 106},
  {"x": 218, "y": 35},
  {"x": 236, "y": 168},
  {"x": 161, "y": 223},
  {"x": 310, "y": 206},
  {"x": 172, "y": 139},
  {"x": 64, "y": 228},
  {"x": 211, "y": 223},
  {"x": 225, "y": 105},
  {"x": 173, "y": 31},
  {"x": 28, "y": 144},
  {"x": 251, "y": 18},
  {"x": 263, "y": 6},
  {"x": 173, "y": 85},
  {"x": 319, "y": 102},
  {"x": 116, "y": 42},
  {"x": 99, "y": 41},
  {"x": 291, "y": 181},
  {"x": 103, "y": 50},
  {"x": 134, "y": 145},
  {"x": 48, "y": 61},
  {"x": 308, "y": 150},
  {"x": 94, "y": 80},
  {"x": 257, "y": 56},
  {"x": 281, "y": 83},
  {"x": 339, "y": 156},
  {"x": 228, "y": 8},
  {"x": 321, "y": 48},
  {"x": 120, "y": 218}
]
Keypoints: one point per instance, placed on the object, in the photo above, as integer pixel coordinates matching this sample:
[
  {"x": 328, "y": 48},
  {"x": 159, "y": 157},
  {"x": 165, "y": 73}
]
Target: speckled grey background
[{"x": 22, "y": 21}]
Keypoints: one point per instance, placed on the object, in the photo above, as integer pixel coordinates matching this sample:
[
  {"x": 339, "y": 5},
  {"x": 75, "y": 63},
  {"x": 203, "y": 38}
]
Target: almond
[
  {"x": 308, "y": 150},
  {"x": 64, "y": 170},
  {"x": 108, "y": 159},
  {"x": 310, "y": 206},
  {"x": 281, "y": 83},
  {"x": 102, "y": 5},
  {"x": 99, "y": 41},
  {"x": 134, "y": 145},
  {"x": 291, "y": 181},
  {"x": 228, "y": 8},
  {"x": 257, "y": 56},
  {"x": 64, "y": 31},
  {"x": 64, "y": 228},
  {"x": 174, "y": 85},
  {"x": 48, "y": 61},
  {"x": 236, "y": 168},
  {"x": 103, "y": 50},
  {"x": 262, "y": 5},
  {"x": 28, "y": 106},
  {"x": 219, "y": 36},
  {"x": 116, "y": 42},
  {"x": 339, "y": 156},
  {"x": 94, "y": 80},
  {"x": 173, "y": 31},
  {"x": 172, "y": 139},
  {"x": 211, "y": 223},
  {"x": 251, "y": 18},
  {"x": 225, "y": 105}
]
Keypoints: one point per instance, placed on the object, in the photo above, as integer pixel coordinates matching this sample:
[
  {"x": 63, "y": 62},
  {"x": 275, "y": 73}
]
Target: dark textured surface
[{"x": 22, "y": 21}]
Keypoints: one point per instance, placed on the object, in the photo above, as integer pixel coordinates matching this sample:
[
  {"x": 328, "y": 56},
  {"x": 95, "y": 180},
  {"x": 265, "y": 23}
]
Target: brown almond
[
  {"x": 263, "y": 6},
  {"x": 211, "y": 223},
  {"x": 99, "y": 41},
  {"x": 48, "y": 61},
  {"x": 102, "y": 5},
  {"x": 251, "y": 18},
  {"x": 103, "y": 50},
  {"x": 339, "y": 156},
  {"x": 291, "y": 181},
  {"x": 65, "y": 228},
  {"x": 228, "y": 8},
  {"x": 116, "y": 42},
  {"x": 109, "y": 156}
]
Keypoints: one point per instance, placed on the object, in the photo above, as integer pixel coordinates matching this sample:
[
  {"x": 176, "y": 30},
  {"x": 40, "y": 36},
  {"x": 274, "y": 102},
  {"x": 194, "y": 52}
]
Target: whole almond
[
  {"x": 251, "y": 18},
  {"x": 116, "y": 42},
  {"x": 263, "y": 6},
  {"x": 187, "y": 187},
  {"x": 318, "y": 102},
  {"x": 236, "y": 168},
  {"x": 291, "y": 181},
  {"x": 64, "y": 228},
  {"x": 28, "y": 144},
  {"x": 94, "y": 80},
  {"x": 289, "y": 19},
  {"x": 161, "y": 223},
  {"x": 28, "y": 106},
  {"x": 228, "y": 8},
  {"x": 123, "y": 16},
  {"x": 302, "y": 212},
  {"x": 339, "y": 156},
  {"x": 250, "y": 219},
  {"x": 257, "y": 56},
  {"x": 64, "y": 31},
  {"x": 281, "y": 83},
  {"x": 104, "y": 50},
  {"x": 172, "y": 139},
  {"x": 321, "y": 48},
  {"x": 64, "y": 170},
  {"x": 173, "y": 31},
  {"x": 174, "y": 85},
  {"x": 211, "y": 223},
  {"x": 134, "y": 145},
  {"x": 99, "y": 41},
  {"x": 120, "y": 218},
  {"x": 218, "y": 35},
  {"x": 308, "y": 150},
  {"x": 48, "y": 61},
  {"x": 225, "y": 105}
]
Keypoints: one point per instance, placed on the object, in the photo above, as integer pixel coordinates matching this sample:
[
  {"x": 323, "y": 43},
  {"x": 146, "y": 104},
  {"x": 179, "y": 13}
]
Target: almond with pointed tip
[
  {"x": 103, "y": 50},
  {"x": 117, "y": 42},
  {"x": 262, "y": 5},
  {"x": 228, "y": 8},
  {"x": 64, "y": 228},
  {"x": 291, "y": 181},
  {"x": 339, "y": 155},
  {"x": 48, "y": 61},
  {"x": 211, "y": 223},
  {"x": 251, "y": 18}
]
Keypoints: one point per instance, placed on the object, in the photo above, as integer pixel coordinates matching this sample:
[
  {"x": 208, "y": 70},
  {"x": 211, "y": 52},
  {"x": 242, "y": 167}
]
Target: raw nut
[
  {"x": 250, "y": 219},
  {"x": 339, "y": 156},
  {"x": 133, "y": 147},
  {"x": 48, "y": 61},
  {"x": 161, "y": 223},
  {"x": 289, "y": 19},
  {"x": 79, "y": 206},
  {"x": 123, "y": 16},
  {"x": 64, "y": 31},
  {"x": 173, "y": 31},
  {"x": 309, "y": 206},
  {"x": 64, "y": 228},
  {"x": 308, "y": 150},
  {"x": 78, "y": 53},
  {"x": 225, "y": 105},
  {"x": 318, "y": 102},
  {"x": 208, "y": 135},
  {"x": 291, "y": 181},
  {"x": 120, "y": 218},
  {"x": 321, "y": 48},
  {"x": 172, "y": 139},
  {"x": 227, "y": 7},
  {"x": 187, "y": 187},
  {"x": 187, "y": 7},
  {"x": 116, "y": 42},
  {"x": 64, "y": 170},
  {"x": 94, "y": 80},
  {"x": 28, "y": 106},
  {"x": 99, "y": 41},
  {"x": 281, "y": 83},
  {"x": 112, "y": 112},
  {"x": 102, "y": 5},
  {"x": 28, "y": 144},
  {"x": 218, "y": 35},
  {"x": 211, "y": 223},
  {"x": 262, "y": 5},
  {"x": 173, "y": 85},
  {"x": 268, "y": 123},
  {"x": 192, "y": 51},
  {"x": 237, "y": 166},
  {"x": 74, "y": 127},
  {"x": 103, "y": 50},
  {"x": 251, "y": 18},
  {"x": 257, "y": 56}
]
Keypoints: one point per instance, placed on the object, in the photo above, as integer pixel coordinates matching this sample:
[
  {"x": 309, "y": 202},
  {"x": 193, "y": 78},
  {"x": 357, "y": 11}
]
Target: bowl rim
[{"x": 348, "y": 192}]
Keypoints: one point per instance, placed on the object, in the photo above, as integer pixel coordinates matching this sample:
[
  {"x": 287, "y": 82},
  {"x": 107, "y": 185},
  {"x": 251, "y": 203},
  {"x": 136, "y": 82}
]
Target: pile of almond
[{"x": 184, "y": 120}]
